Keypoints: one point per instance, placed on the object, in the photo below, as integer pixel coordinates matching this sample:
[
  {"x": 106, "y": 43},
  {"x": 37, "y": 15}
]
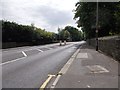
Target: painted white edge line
[
  {"x": 12, "y": 61},
  {"x": 55, "y": 82},
  {"x": 24, "y": 53},
  {"x": 65, "y": 68}
]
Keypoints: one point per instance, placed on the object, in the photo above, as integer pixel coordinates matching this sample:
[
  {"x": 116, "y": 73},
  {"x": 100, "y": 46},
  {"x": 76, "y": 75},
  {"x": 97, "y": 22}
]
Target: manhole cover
[{"x": 97, "y": 69}]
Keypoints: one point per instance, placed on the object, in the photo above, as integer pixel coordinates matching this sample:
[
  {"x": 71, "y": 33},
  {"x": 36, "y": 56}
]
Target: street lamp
[{"x": 97, "y": 27}]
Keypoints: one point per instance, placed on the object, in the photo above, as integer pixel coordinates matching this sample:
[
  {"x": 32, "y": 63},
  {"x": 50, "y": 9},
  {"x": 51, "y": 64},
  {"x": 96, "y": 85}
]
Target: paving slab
[{"x": 90, "y": 69}]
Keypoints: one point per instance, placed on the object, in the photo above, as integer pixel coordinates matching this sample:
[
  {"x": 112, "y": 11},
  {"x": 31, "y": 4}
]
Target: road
[{"x": 28, "y": 67}]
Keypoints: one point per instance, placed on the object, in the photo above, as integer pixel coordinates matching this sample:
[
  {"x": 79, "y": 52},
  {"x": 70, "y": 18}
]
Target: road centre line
[
  {"x": 24, "y": 53},
  {"x": 39, "y": 50},
  {"x": 17, "y": 59},
  {"x": 12, "y": 61}
]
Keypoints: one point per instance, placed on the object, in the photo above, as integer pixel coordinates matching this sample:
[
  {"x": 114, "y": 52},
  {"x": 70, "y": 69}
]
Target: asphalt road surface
[{"x": 28, "y": 67}]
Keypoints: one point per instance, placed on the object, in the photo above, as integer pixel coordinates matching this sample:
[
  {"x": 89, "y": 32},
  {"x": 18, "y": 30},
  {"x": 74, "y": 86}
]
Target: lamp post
[{"x": 97, "y": 27}]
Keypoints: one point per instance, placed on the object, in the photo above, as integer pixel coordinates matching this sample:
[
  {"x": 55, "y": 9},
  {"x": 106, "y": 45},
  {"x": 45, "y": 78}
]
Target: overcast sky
[{"x": 46, "y": 14}]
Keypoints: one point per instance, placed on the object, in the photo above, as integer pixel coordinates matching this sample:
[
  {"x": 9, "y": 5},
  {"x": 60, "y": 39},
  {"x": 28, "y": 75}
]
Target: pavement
[{"x": 88, "y": 69}]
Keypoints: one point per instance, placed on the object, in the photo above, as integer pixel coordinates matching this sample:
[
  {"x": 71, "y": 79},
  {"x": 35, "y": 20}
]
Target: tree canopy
[
  {"x": 70, "y": 33},
  {"x": 13, "y": 32},
  {"x": 108, "y": 18}
]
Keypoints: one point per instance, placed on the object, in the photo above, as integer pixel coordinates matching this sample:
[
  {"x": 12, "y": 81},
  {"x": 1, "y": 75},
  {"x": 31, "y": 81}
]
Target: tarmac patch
[
  {"x": 97, "y": 69},
  {"x": 82, "y": 55}
]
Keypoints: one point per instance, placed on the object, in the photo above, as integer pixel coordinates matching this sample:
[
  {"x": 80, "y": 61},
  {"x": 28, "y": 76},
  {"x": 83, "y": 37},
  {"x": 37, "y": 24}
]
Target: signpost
[{"x": 97, "y": 27}]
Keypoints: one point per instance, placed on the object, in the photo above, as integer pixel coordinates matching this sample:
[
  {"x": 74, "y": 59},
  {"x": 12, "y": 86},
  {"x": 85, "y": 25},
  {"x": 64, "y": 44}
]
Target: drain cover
[{"x": 97, "y": 69}]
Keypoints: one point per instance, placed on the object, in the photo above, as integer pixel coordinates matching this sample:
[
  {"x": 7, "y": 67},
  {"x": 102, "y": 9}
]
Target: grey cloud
[
  {"x": 45, "y": 16},
  {"x": 52, "y": 16}
]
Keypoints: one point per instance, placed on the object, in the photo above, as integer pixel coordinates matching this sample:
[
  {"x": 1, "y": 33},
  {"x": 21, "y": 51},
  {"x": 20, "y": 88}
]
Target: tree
[
  {"x": 75, "y": 34},
  {"x": 86, "y": 14},
  {"x": 70, "y": 33},
  {"x": 13, "y": 32}
]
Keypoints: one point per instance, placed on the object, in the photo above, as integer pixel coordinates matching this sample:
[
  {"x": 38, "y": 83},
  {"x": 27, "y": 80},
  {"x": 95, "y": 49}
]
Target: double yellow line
[{"x": 46, "y": 82}]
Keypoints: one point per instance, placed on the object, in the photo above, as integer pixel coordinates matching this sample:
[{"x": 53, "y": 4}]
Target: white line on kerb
[{"x": 24, "y": 53}]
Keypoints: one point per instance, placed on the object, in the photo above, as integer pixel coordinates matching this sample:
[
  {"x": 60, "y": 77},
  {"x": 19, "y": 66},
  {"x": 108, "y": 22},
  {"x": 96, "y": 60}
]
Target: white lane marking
[
  {"x": 24, "y": 53},
  {"x": 88, "y": 86},
  {"x": 66, "y": 66},
  {"x": 39, "y": 50},
  {"x": 56, "y": 81},
  {"x": 12, "y": 61}
]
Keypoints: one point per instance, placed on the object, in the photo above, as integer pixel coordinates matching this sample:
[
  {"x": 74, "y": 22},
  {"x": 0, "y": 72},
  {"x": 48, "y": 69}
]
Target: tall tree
[
  {"x": 86, "y": 14},
  {"x": 75, "y": 34},
  {"x": 70, "y": 33}
]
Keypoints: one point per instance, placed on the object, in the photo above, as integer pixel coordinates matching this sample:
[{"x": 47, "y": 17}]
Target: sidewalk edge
[{"x": 65, "y": 67}]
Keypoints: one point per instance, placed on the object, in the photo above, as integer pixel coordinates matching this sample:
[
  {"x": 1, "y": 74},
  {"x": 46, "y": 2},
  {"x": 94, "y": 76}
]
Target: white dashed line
[
  {"x": 24, "y": 53},
  {"x": 39, "y": 50},
  {"x": 12, "y": 61},
  {"x": 88, "y": 86}
]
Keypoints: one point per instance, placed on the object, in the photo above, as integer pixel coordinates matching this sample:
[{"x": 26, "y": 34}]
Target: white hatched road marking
[
  {"x": 24, "y": 53},
  {"x": 97, "y": 69}
]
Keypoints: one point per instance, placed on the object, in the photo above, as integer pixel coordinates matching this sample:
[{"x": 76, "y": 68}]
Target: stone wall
[{"x": 109, "y": 45}]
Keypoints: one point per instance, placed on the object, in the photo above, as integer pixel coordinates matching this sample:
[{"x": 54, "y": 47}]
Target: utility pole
[{"x": 97, "y": 27}]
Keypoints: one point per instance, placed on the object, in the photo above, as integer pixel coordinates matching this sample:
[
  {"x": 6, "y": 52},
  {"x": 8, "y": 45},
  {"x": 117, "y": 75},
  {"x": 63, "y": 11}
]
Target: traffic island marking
[{"x": 97, "y": 69}]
